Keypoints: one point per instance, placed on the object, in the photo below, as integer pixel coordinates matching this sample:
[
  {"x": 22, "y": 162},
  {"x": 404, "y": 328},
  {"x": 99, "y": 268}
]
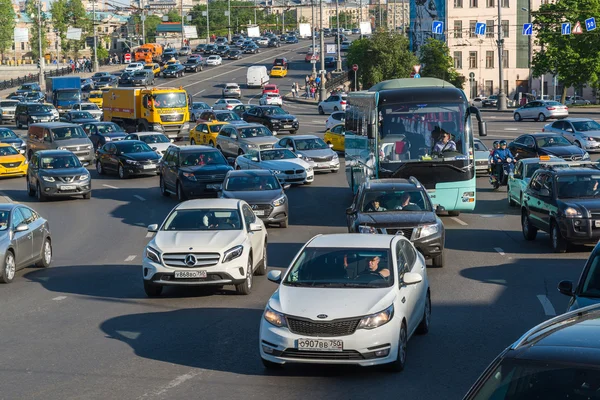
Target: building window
[
  {"x": 489, "y": 28},
  {"x": 505, "y": 28},
  {"x": 490, "y": 3},
  {"x": 458, "y": 3},
  {"x": 489, "y": 59},
  {"x": 457, "y": 29},
  {"x": 489, "y": 88},
  {"x": 505, "y": 3},
  {"x": 458, "y": 59},
  {"x": 473, "y": 3},
  {"x": 472, "y": 59},
  {"x": 22, "y": 45},
  {"x": 504, "y": 58},
  {"x": 472, "y": 25}
]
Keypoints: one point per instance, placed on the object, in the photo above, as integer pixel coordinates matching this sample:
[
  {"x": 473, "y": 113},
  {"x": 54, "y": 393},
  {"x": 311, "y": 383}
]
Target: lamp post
[
  {"x": 56, "y": 33},
  {"x": 41, "y": 59},
  {"x": 207, "y": 26},
  {"x": 322, "y": 92},
  {"x": 312, "y": 25},
  {"x": 501, "y": 95},
  {"x": 339, "y": 56},
  {"x": 95, "y": 36},
  {"x": 228, "y": 20}
]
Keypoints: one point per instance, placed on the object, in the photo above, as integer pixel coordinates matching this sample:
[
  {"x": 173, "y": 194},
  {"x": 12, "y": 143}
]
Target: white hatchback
[
  {"x": 214, "y": 60},
  {"x": 347, "y": 299},
  {"x": 134, "y": 67},
  {"x": 337, "y": 117},
  {"x": 270, "y": 99}
]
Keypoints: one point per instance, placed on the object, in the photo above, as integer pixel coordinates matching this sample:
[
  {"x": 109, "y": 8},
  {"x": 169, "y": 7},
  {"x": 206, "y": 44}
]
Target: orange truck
[{"x": 148, "y": 53}]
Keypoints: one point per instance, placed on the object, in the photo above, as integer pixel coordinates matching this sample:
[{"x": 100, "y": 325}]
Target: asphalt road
[{"x": 84, "y": 329}]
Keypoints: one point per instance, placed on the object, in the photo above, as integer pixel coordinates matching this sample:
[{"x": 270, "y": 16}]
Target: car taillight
[
  {"x": 550, "y": 108},
  {"x": 343, "y": 102},
  {"x": 229, "y": 107}
]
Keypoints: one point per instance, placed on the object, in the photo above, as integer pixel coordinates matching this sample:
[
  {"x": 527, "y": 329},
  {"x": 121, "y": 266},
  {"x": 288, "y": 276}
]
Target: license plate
[
  {"x": 190, "y": 274},
  {"x": 68, "y": 187},
  {"x": 597, "y": 224},
  {"x": 287, "y": 126},
  {"x": 214, "y": 186},
  {"x": 148, "y": 166},
  {"x": 259, "y": 212},
  {"x": 323, "y": 165},
  {"x": 320, "y": 345}
]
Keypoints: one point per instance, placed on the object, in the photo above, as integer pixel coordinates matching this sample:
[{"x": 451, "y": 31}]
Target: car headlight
[
  {"x": 186, "y": 125},
  {"x": 309, "y": 169},
  {"x": 427, "y": 230},
  {"x": 233, "y": 253},
  {"x": 572, "y": 212},
  {"x": 586, "y": 156},
  {"x": 274, "y": 318},
  {"x": 153, "y": 254},
  {"x": 366, "y": 229},
  {"x": 295, "y": 120},
  {"x": 376, "y": 320},
  {"x": 107, "y": 139},
  {"x": 190, "y": 176},
  {"x": 48, "y": 178},
  {"x": 280, "y": 201},
  {"x": 251, "y": 146},
  {"x": 62, "y": 148},
  {"x": 84, "y": 177},
  {"x": 33, "y": 118},
  {"x": 132, "y": 162},
  {"x": 88, "y": 147}
]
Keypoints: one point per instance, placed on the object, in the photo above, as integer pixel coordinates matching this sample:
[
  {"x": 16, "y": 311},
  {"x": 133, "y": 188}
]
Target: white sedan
[
  {"x": 270, "y": 99},
  {"x": 286, "y": 165},
  {"x": 347, "y": 299},
  {"x": 134, "y": 67},
  {"x": 226, "y": 104},
  {"x": 156, "y": 140},
  {"x": 214, "y": 60},
  {"x": 89, "y": 107}
]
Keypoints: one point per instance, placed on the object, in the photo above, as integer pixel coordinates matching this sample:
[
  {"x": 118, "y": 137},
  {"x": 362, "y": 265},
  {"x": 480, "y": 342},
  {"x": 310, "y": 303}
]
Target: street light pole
[
  {"x": 143, "y": 18},
  {"x": 312, "y": 25},
  {"x": 95, "y": 36},
  {"x": 323, "y": 91},
  {"x": 501, "y": 95},
  {"x": 207, "y": 26},
  {"x": 338, "y": 45},
  {"x": 182, "y": 24},
  {"x": 41, "y": 77},
  {"x": 228, "y": 20}
]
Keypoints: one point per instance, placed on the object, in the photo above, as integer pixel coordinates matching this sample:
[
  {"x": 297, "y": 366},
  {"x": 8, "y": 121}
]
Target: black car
[
  {"x": 251, "y": 49},
  {"x": 57, "y": 173},
  {"x": 330, "y": 62},
  {"x": 546, "y": 144},
  {"x": 77, "y": 117},
  {"x": 87, "y": 85},
  {"x": 210, "y": 49},
  {"x": 28, "y": 87},
  {"x": 273, "y": 117},
  {"x": 558, "y": 359},
  {"x": 587, "y": 291},
  {"x": 192, "y": 171},
  {"x": 174, "y": 71},
  {"x": 31, "y": 113},
  {"x": 193, "y": 64},
  {"x": 234, "y": 54},
  {"x": 563, "y": 200},
  {"x": 102, "y": 132},
  {"x": 126, "y": 78},
  {"x": 491, "y": 101},
  {"x": 399, "y": 207},
  {"x": 170, "y": 53},
  {"x": 8, "y": 136},
  {"x": 242, "y": 108},
  {"x": 168, "y": 57},
  {"x": 96, "y": 77},
  {"x": 222, "y": 50},
  {"x": 107, "y": 81},
  {"x": 291, "y": 39},
  {"x": 200, "y": 48},
  {"x": 274, "y": 42},
  {"x": 281, "y": 61},
  {"x": 127, "y": 158}
]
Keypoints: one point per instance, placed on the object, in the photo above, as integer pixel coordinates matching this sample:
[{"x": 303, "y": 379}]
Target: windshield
[
  {"x": 80, "y": 115},
  {"x": 399, "y": 200},
  {"x": 479, "y": 146},
  {"x": 8, "y": 103},
  {"x": 140, "y": 74},
  {"x": 552, "y": 141},
  {"x": 108, "y": 128},
  {"x": 255, "y": 131},
  {"x": 250, "y": 183},
  {"x": 341, "y": 267},
  {"x": 228, "y": 116},
  {"x": 66, "y": 133},
  {"x": 38, "y": 108},
  {"x": 516, "y": 379},
  {"x": 96, "y": 95},
  {"x": 584, "y": 126},
  {"x": 67, "y": 95},
  {"x": 530, "y": 169},
  {"x": 201, "y": 106},
  {"x": 7, "y": 134},
  {"x": 154, "y": 138},
  {"x": 278, "y": 154},
  {"x": 274, "y": 111},
  {"x": 311, "y": 144},
  {"x": 202, "y": 158},
  {"x": 578, "y": 186},
  {"x": 106, "y": 79},
  {"x": 89, "y": 107},
  {"x": 203, "y": 220},
  {"x": 8, "y": 151},
  {"x": 59, "y": 162},
  {"x": 173, "y": 67},
  {"x": 170, "y": 100},
  {"x": 136, "y": 147},
  {"x": 26, "y": 87}
]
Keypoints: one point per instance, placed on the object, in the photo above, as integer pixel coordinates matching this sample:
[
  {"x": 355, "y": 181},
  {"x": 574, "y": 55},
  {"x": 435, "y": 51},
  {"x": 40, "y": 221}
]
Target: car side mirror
[
  {"x": 531, "y": 145},
  {"x": 544, "y": 192},
  {"x": 350, "y": 211},
  {"x": 411, "y": 278},
  {"x": 255, "y": 159},
  {"x": 153, "y": 228},
  {"x": 231, "y": 160},
  {"x": 331, "y": 145},
  {"x": 254, "y": 227},
  {"x": 290, "y": 148},
  {"x": 482, "y": 125},
  {"x": 287, "y": 186},
  {"x": 274, "y": 276},
  {"x": 172, "y": 140},
  {"x": 566, "y": 288},
  {"x": 22, "y": 227},
  {"x": 440, "y": 209},
  {"x": 145, "y": 102}
]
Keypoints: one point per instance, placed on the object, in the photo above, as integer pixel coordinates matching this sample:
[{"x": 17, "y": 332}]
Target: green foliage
[
  {"x": 152, "y": 21},
  {"x": 60, "y": 12},
  {"x": 174, "y": 16},
  {"x": 574, "y": 58},
  {"x": 102, "y": 52},
  {"x": 435, "y": 56},
  {"x": 35, "y": 31},
  {"x": 384, "y": 56},
  {"x": 71, "y": 13},
  {"x": 7, "y": 25},
  {"x": 347, "y": 21}
]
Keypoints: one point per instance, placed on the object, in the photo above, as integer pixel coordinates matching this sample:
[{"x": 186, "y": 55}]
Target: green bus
[{"x": 392, "y": 129}]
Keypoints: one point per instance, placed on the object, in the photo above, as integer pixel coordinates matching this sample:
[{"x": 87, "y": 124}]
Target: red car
[
  {"x": 270, "y": 89},
  {"x": 309, "y": 57}
]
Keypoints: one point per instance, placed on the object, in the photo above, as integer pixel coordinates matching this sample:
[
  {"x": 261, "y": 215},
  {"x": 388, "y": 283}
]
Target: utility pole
[
  {"x": 182, "y": 24},
  {"x": 95, "y": 36},
  {"x": 255, "y": 23},
  {"x": 312, "y": 26},
  {"x": 501, "y": 95},
  {"x": 323, "y": 91},
  {"x": 380, "y": 15},
  {"x": 143, "y": 18},
  {"x": 228, "y": 20},
  {"x": 41, "y": 77},
  {"x": 207, "y": 26},
  {"x": 338, "y": 45}
]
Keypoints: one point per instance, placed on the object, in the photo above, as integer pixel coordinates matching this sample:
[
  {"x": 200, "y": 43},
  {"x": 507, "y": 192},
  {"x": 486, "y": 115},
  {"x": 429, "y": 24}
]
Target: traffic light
[
  {"x": 39, "y": 66},
  {"x": 89, "y": 41}
]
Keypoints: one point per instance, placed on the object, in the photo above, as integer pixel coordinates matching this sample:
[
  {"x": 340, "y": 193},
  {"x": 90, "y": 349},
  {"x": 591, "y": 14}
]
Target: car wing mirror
[
  {"x": 440, "y": 209},
  {"x": 153, "y": 228},
  {"x": 254, "y": 227},
  {"x": 287, "y": 186},
  {"x": 566, "y": 288},
  {"x": 255, "y": 159},
  {"x": 22, "y": 227},
  {"x": 231, "y": 160},
  {"x": 544, "y": 192},
  {"x": 350, "y": 211},
  {"x": 411, "y": 278},
  {"x": 274, "y": 276}
]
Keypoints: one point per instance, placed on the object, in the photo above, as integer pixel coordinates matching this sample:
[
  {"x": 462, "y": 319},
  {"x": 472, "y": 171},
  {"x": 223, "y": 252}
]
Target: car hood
[
  {"x": 42, "y": 114},
  {"x": 114, "y": 135},
  {"x": 592, "y": 204},
  {"x": 261, "y": 140},
  {"x": 482, "y": 155},
  {"x": 207, "y": 169},
  {"x": 254, "y": 196},
  {"x": 284, "y": 164},
  {"x": 336, "y": 303},
  {"x": 159, "y": 146},
  {"x": 74, "y": 142},
  {"x": 64, "y": 171},
  {"x": 395, "y": 218},
  {"x": 12, "y": 140},
  {"x": 317, "y": 152},
  {"x": 561, "y": 151},
  {"x": 196, "y": 241},
  {"x": 82, "y": 120},
  {"x": 590, "y": 133},
  {"x": 147, "y": 155},
  {"x": 283, "y": 116}
]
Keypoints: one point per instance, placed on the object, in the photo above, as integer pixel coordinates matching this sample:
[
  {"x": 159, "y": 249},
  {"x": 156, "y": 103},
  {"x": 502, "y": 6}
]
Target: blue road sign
[
  {"x": 480, "y": 28},
  {"x": 437, "y": 27},
  {"x": 566, "y": 28},
  {"x": 590, "y": 24},
  {"x": 417, "y": 76},
  {"x": 527, "y": 29}
]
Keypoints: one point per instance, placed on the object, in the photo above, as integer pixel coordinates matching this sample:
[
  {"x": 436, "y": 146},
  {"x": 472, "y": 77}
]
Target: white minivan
[{"x": 257, "y": 76}]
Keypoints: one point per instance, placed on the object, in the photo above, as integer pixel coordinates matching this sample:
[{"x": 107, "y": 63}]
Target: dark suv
[
  {"x": 31, "y": 113},
  {"x": 273, "y": 117},
  {"x": 565, "y": 202},
  {"x": 557, "y": 359},
  {"x": 399, "y": 207},
  {"x": 192, "y": 171},
  {"x": 587, "y": 291}
]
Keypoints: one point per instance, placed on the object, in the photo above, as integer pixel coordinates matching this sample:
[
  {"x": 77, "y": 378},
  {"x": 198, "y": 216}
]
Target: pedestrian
[
  {"x": 313, "y": 90},
  {"x": 307, "y": 90},
  {"x": 318, "y": 81},
  {"x": 307, "y": 80}
]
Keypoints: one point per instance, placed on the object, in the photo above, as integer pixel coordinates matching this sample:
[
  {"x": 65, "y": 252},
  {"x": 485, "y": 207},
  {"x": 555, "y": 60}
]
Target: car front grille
[
  {"x": 148, "y": 162},
  {"x": 572, "y": 158},
  {"x": 172, "y": 118},
  {"x": 292, "y": 172},
  {"x": 267, "y": 208},
  {"x": 202, "y": 259},
  {"x": 11, "y": 164},
  {"x": 266, "y": 146},
  {"x": 210, "y": 178},
  {"x": 406, "y": 232},
  {"x": 322, "y": 159},
  {"x": 322, "y": 355},
  {"x": 481, "y": 162},
  {"x": 66, "y": 179},
  {"x": 78, "y": 150},
  {"x": 322, "y": 329}
]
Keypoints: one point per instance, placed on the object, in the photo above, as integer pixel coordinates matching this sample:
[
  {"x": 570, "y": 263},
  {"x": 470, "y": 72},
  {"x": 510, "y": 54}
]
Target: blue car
[
  {"x": 587, "y": 291},
  {"x": 291, "y": 39}
]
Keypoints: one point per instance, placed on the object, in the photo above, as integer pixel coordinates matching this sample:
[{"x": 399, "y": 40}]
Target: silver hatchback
[
  {"x": 313, "y": 150},
  {"x": 541, "y": 110}
]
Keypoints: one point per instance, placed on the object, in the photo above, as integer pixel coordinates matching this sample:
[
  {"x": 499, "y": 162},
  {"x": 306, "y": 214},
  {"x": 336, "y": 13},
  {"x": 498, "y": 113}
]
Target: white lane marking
[
  {"x": 546, "y": 305},
  {"x": 8, "y": 199},
  {"x": 195, "y": 94},
  {"x": 109, "y": 186},
  {"x": 511, "y": 129},
  {"x": 173, "y": 384},
  {"x": 499, "y": 250},
  {"x": 59, "y": 298},
  {"x": 130, "y": 258},
  {"x": 137, "y": 196},
  {"x": 149, "y": 234},
  {"x": 460, "y": 221}
]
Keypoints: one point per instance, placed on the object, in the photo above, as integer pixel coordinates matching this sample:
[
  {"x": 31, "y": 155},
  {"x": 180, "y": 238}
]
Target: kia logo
[
  {"x": 322, "y": 316},
  {"x": 190, "y": 260}
]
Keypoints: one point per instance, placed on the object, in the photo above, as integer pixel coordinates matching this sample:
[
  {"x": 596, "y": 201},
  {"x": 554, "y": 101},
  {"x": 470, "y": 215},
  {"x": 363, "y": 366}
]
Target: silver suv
[
  {"x": 235, "y": 140},
  {"x": 7, "y": 109}
]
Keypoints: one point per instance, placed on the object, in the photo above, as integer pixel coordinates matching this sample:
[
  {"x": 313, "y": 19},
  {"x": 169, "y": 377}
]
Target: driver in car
[
  {"x": 444, "y": 144},
  {"x": 373, "y": 268},
  {"x": 376, "y": 206}
]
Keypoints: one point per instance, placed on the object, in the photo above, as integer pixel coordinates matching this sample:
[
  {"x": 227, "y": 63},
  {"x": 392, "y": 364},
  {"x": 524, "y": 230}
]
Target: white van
[{"x": 257, "y": 76}]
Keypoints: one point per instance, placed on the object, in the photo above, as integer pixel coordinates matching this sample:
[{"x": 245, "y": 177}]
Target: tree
[
  {"x": 574, "y": 58},
  {"x": 152, "y": 21},
  {"x": 77, "y": 18},
  {"x": 174, "y": 15},
  {"x": 7, "y": 25},
  {"x": 435, "y": 56},
  {"x": 384, "y": 56},
  {"x": 36, "y": 30},
  {"x": 60, "y": 15}
]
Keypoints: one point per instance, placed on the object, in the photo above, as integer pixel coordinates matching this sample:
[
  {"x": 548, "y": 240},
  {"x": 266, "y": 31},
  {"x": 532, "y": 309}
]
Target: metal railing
[
  {"x": 337, "y": 80},
  {"x": 11, "y": 83}
]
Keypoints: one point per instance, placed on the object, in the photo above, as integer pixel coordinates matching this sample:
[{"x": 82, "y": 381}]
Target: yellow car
[
  {"x": 154, "y": 67},
  {"x": 12, "y": 163},
  {"x": 335, "y": 136},
  {"x": 279, "y": 71},
  {"x": 206, "y": 133},
  {"x": 96, "y": 97},
  {"x": 171, "y": 62}
]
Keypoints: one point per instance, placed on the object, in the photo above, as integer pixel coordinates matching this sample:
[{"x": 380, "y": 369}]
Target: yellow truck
[{"x": 164, "y": 110}]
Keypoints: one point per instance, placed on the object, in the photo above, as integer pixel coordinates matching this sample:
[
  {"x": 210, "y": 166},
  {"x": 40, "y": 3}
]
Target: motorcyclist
[
  {"x": 496, "y": 146},
  {"x": 501, "y": 156}
]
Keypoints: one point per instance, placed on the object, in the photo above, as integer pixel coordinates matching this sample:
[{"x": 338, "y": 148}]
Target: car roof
[
  {"x": 220, "y": 111},
  {"x": 302, "y": 137},
  {"x": 187, "y": 149},
  {"x": 52, "y": 125},
  {"x": 541, "y": 134},
  {"x": 337, "y": 240},
  {"x": 397, "y": 183},
  {"x": 576, "y": 119},
  {"x": 252, "y": 172},
  {"x": 9, "y": 206},
  {"x": 43, "y": 153},
  {"x": 247, "y": 125},
  {"x": 148, "y": 133},
  {"x": 124, "y": 142},
  {"x": 210, "y": 203},
  {"x": 574, "y": 171}
]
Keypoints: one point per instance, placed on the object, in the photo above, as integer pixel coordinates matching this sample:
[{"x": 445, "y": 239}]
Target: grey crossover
[
  {"x": 313, "y": 150},
  {"x": 24, "y": 240}
]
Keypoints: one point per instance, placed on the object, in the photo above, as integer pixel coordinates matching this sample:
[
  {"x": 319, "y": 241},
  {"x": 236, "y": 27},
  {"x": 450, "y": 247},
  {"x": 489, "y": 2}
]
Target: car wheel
[
  {"x": 46, "y": 259},
  {"x": 30, "y": 190},
  {"x": 122, "y": 173},
  {"x": 423, "y": 327},
  {"x": 284, "y": 223},
  {"x": 454, "y": 213},
  {"x": 99, "y": 168},
  {"x": 180, "y": 193},
  {"x": 438, "y": 261},
  {"x": 40, "y": 195},
  {"x": 335, "y": 109},
  {"x": 192, "y": 142},
  {"x": 321, "y": 110},
  {"x": 87, "y": 195},
  {"x": 559, "y": 244},
  {"x": 240, "y": 152},
  {"x": 517, "y": 117},
  {"x": 529, "y": 231},
  {"x": 246, "y": 287},
  {"x": 10, "y": 268},
  {"x": 293, "y": 132},
  {"x": 541, "y": 117},
  {"x": 151, "y": 289},
  {"x": 398, "y": 365},
  {"x": 262, "y": 268}
]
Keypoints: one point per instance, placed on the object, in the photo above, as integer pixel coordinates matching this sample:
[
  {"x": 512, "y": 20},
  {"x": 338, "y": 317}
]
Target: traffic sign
[
  {"x": 577, "y": 29},
  {"x": 527, "y": 29},
  {"x": 437, "y": 27},
  {"x": 472, "y": 75},
  {"x": 313, "y": 61},
  {"x": 590, "y": 24},
  {"x": 480, "y": 28},
  {"x": 565, "y": 28},
  {"x": 127, "y": 57},
  {"x": 355, "y": 67},
  {"x": 417, "y": 68},
  {"x": 417, "y": 76},
  {"x": 331, "y": 49}
]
